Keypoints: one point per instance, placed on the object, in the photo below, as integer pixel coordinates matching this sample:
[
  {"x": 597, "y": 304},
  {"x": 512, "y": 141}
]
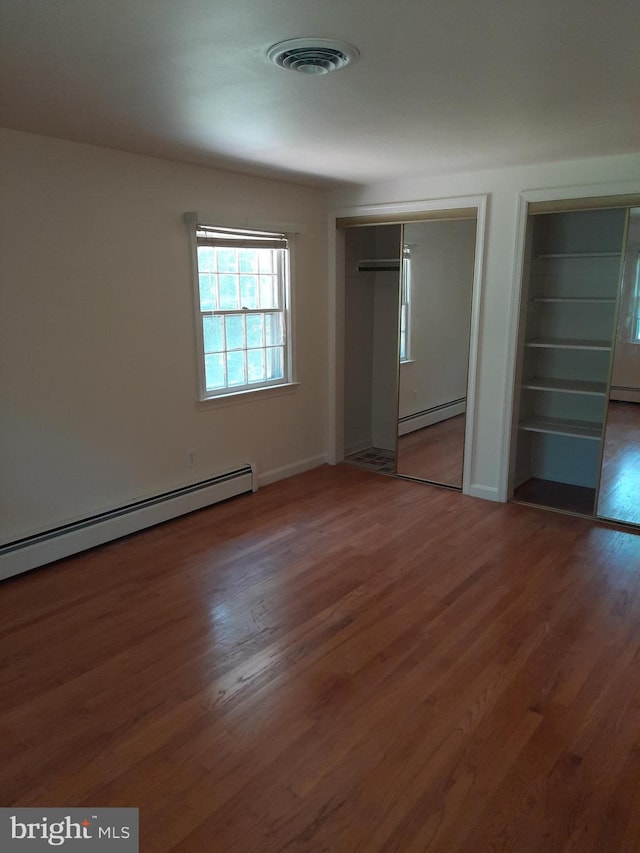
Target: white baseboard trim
[
  {"x": 411, "y": 423},
  {"x": 625, "y": 395},
  {"x": 285, "y": 471},
  {"x": 486, "y": 493}
]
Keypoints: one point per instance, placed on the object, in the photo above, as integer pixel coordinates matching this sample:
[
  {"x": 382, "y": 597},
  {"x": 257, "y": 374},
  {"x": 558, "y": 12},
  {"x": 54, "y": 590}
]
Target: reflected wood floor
[
  {"x": 340, "y": 662},
  {"x": 620, "y": 486},
  {"x": 434, "y": 453}
]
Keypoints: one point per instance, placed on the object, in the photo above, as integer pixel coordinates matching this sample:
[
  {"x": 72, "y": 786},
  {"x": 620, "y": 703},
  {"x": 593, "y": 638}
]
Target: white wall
[
  {"x": 442, "y": 255},
  {"x": 495, "y": 368},
  {"x": 98, "y": 376}
]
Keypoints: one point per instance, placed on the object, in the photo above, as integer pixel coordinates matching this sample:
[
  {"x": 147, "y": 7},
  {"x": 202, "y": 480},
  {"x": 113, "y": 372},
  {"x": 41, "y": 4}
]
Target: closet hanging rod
[{"x": 379, "y": 265}]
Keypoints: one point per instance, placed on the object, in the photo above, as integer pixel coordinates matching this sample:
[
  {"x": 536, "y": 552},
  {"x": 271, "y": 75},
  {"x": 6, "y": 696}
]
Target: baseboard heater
[
  {"x": 427, "y": 417},
  {"x": 41, "y": 548}
]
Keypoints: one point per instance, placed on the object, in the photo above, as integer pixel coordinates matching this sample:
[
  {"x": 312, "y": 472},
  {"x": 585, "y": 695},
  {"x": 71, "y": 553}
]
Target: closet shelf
[
  {"x": 379, "y": 265},
  {"x": 567, "y": 386},
  {"x": 568, "y": 343},
  {"x": 560, "y": 255},
  {"x": 575, "y": 300},
  {"x": 557, "y": 426}
]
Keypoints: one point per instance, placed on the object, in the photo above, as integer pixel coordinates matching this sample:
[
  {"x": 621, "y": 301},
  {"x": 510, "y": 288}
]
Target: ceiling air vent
[{"x": 312, "y": 56}]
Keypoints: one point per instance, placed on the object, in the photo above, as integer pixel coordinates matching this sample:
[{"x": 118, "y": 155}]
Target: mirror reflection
[
  {"x": 436, "y": 298},
  {"x": 619, "y": 495}
]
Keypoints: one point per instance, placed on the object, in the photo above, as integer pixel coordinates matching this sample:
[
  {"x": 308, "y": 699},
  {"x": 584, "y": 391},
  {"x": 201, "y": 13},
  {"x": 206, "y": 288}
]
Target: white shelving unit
[{"x": 570, "y": 296}]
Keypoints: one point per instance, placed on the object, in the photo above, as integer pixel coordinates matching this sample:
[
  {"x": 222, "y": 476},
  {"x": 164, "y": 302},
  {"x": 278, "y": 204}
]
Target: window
[
  {"x": 243, "y": 301},
  {"x": 405, "y": 306}
]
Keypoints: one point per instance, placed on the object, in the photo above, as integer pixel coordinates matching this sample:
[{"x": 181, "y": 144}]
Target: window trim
[{"x": 244, "y": 392}]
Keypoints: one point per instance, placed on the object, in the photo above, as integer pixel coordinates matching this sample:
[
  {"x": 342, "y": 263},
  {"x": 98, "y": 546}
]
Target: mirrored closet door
[
  {"x": 408, "y": 304},
  {"x": 437, "y": 289}
]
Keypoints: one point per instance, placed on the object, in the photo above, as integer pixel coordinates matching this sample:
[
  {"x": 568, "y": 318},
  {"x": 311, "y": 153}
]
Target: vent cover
[{"x": 312, "y": 56}]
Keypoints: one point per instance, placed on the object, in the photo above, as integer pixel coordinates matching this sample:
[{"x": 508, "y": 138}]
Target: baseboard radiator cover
[
  {"x": 428, "y": 417},
  {"x": 50, "y": 545}
]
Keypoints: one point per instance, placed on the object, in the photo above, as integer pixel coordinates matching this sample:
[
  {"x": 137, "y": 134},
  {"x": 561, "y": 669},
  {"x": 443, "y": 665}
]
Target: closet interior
[{"x": 569, "y": 324}]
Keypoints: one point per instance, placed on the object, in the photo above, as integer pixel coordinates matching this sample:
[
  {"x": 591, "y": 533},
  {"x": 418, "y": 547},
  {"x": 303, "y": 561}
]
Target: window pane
[
  {"x": 228, "y": 285},
  {"x": 207, "y": 292},
  {"x": 214, "y": 371},
  {"x": 255, "y": 365},
  {"x": 212, "y": 334},
  {"x": 273, "y": 329},
  {"x": 206, "y": 259},
  {"x": 255, "y": 330},
  {"x": 248, "y": 291},
  {"x": 236, "y": 368},
  {"x": 227, "y": 260},
  {"x": 244, "y": 333},
  {"x": 267, "y": 292},
  {"x": 248, "y": 260},
  {"x": 265, "y": 258},
  {"x": 275, "y": 363},
  {"x": 234, "y": 326}
]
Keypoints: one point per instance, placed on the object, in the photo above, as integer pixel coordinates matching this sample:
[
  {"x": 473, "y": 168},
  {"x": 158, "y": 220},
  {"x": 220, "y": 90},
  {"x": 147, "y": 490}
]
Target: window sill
[
  {"x": 407, "y": 361},
  {"x": 248, "y": 396}
]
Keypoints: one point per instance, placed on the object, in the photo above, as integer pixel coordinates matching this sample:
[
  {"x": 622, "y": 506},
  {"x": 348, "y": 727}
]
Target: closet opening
[
  {"x": 410, "y": 288},
  {"x": 576, "y": 426}
]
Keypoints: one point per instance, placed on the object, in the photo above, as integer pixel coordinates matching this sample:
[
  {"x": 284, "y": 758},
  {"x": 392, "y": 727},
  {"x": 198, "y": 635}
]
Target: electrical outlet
[{"x": 191, "y": 458}]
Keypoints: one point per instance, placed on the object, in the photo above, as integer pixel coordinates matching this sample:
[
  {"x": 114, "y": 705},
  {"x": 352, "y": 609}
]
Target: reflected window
[
  {"x": 635, "y": 305},
  {"x": 405, "y": 307}
]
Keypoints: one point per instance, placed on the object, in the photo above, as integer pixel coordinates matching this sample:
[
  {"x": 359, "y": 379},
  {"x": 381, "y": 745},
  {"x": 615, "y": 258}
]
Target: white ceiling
[{"x": 441, "y": 85}]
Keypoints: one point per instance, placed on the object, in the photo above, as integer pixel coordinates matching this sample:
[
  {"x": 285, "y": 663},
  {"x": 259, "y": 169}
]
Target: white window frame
[{"x": 244, "y": 237}]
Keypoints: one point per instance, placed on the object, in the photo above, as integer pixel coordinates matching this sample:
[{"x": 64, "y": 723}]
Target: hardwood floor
[
  {"x": 434, "y": 453},
  {"x": 620, "y": 486},
  {"x": 340, "y": 662}
]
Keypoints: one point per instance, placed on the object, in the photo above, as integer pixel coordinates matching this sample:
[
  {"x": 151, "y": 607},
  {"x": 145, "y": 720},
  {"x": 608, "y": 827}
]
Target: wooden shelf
[
  {"x": 568, "y": 343},
  {"x": 567, "y": 386},
  {"x": 556, "y": 426}
]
